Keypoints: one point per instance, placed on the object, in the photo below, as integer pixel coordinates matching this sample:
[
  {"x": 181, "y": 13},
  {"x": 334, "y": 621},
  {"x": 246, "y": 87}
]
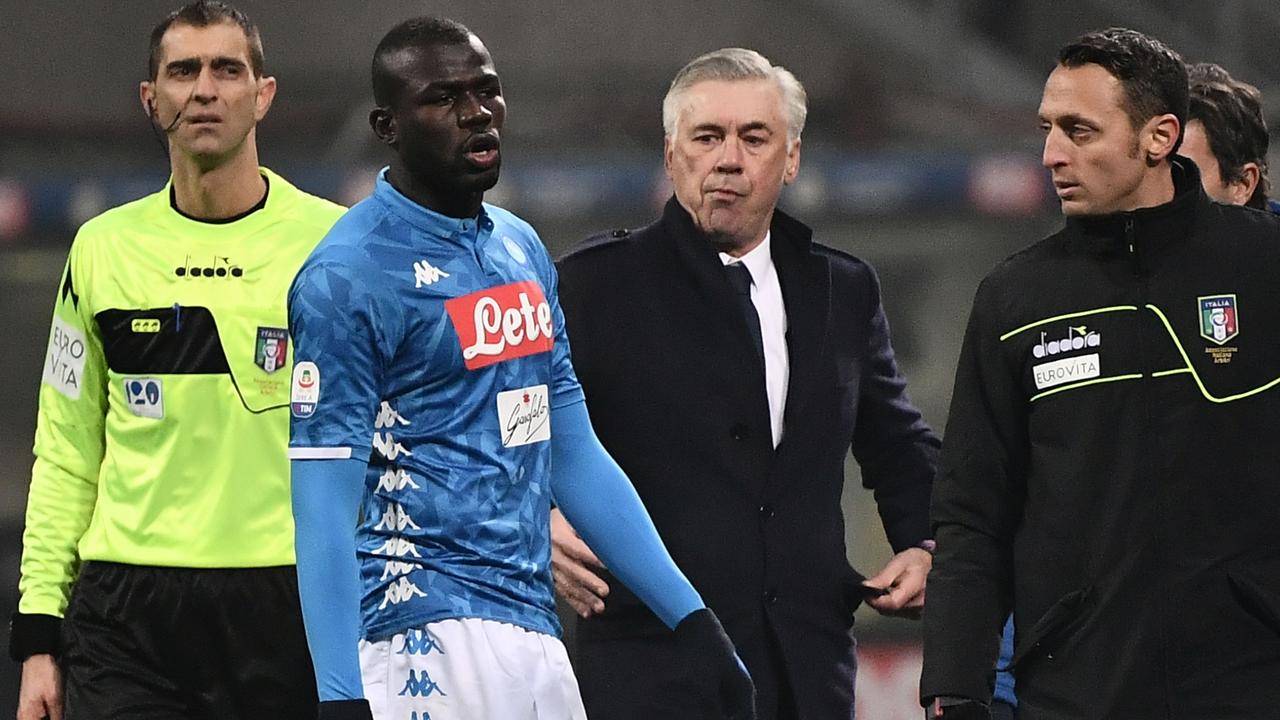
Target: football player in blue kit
[{"x": 436, "y": 417}]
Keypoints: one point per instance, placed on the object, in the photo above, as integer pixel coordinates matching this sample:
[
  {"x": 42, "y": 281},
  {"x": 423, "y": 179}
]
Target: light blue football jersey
[{"x": 434, "y": 347}]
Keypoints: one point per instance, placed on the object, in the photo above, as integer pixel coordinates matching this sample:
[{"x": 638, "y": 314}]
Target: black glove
[
  {"x": 962, "y": 710},
  {"x": 701, "y": 635},
  {"x": 345, "y": 710},
  {"x": 33, "y": 635}
]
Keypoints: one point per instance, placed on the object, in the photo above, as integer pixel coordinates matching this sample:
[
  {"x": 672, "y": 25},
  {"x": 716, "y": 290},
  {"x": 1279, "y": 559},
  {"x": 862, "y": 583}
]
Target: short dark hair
[
  {"x": 418, "y": 32},
  {"x": 1231, "y": 112},
  {"x": 1153, "y": 75},
  {"x": 204, "y": 13}
]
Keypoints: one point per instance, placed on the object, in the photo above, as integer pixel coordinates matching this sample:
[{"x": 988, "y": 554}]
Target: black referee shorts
[{"x": 148, "y": 643}]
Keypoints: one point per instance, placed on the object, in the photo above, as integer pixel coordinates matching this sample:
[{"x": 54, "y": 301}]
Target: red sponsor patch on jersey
[{"x": 501, "y": 323}]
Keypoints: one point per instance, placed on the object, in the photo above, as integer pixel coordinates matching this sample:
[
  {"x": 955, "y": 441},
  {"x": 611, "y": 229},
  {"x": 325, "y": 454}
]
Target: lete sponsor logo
[
  {"x": 305, "y": 393},
  {"x": 501, "y": 323}
]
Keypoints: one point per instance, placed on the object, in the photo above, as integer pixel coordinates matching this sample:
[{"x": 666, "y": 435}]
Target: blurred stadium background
[{"x": 921, "y": 155}]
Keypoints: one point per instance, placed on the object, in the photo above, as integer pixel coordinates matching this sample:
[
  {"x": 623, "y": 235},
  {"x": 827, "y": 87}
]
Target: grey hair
[{"x": 734, "y": 64}]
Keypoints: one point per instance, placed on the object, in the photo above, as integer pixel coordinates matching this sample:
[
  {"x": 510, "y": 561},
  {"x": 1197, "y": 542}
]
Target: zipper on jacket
[{"x": 1128, "y": 239}]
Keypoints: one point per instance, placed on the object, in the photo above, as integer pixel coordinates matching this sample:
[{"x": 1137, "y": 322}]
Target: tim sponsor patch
[
  {"x": 524, "y": 416},
  {"x": 64, "y": 363},
  {"x": 1067, "y": 370},
  {"x": 304, "y": 392}
]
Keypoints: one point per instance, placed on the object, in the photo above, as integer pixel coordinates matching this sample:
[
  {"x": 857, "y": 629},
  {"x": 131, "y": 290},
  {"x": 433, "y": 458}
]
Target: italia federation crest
[
  {"x": 272, "y": 347},
  {"x": 1219, "y": 318}
]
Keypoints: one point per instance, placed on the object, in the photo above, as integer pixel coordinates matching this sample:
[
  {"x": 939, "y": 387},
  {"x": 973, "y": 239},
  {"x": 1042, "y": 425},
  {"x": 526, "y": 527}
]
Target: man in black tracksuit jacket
[{"x": 1109, "y": 471}]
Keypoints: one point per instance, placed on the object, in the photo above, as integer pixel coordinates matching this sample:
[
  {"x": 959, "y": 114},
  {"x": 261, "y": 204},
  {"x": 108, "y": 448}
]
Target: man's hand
[
  {"x": 41, "y": 693},
  {"x": 904, "y": 577},
  {"x": 571, "y": 563},
  {"x": 713, "y": 659}
]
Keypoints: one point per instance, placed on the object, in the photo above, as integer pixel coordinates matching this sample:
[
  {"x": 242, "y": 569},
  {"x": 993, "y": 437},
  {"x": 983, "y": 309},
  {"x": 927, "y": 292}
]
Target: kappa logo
[
  {"x": 400, "y": 591},
  {"x": 387, "y": 417},
  {"x": 387, "y": 447},
  {"x": 1077, "y": 338},
  {"x": 1219, "y": 318},
  {"x": 395, "y": 568},
  {"x": 399, "y": 547},
  {"x": 421, "y": 685},
  {"x": 419, "y": 642},
  {"x": 394, "y": 480},
  {"x": 502, "y": 323},
  {"x": 395, "y": 518},
  {"x": 425, "y": 274}
]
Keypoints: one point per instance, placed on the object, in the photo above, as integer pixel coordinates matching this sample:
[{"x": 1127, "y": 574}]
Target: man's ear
[
  {"x": 1159, "y": 137},
  {"x": 793, "y": 163},
  {"x": 1242, "y": 188},
  {"x": 383, "y": 122},
  {"x": 147, "y": 96},
  {"x": 266, "y": 95}
]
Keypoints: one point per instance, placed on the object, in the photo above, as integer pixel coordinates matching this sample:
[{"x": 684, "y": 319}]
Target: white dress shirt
[{"x": 766, "y": 295}]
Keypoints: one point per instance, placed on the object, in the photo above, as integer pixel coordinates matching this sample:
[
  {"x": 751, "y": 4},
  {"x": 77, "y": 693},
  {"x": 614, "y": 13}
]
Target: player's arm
[
  {"x": 600, "y": 502},
  {"x": 64, "y": 488},
  {"x": 977, "y": 500},
  {"x": 332, "y": 412}
]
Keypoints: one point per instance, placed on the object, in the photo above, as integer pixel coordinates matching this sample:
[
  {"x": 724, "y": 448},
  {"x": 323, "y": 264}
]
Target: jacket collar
[{"x": 1144, "y": 231}]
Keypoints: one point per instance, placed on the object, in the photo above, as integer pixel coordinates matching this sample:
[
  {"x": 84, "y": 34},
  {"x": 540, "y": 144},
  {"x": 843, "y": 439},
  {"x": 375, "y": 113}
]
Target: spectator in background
[
  {"x": 1107, "y": 469},
  {"x": 730, "y": 362},
  {"x": 1226, "y": 136},
  {"x": 160, "y": 492}
]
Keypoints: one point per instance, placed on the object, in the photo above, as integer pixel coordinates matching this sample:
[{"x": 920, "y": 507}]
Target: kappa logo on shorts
[
  {"x": 419, "y": 642},
  {"x": 421, "y": 685},
  {"x": 502, "y": 323}
]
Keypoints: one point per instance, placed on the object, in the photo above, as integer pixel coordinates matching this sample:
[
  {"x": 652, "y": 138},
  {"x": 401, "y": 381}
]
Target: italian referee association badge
[{"x": 272, "y": 347}]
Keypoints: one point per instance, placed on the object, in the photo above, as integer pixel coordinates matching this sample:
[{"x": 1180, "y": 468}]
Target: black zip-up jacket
[{"x": 1110, "y": 471}]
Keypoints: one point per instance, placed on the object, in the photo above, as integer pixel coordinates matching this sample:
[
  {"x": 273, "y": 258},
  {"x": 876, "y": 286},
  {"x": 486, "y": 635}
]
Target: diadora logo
[
  {"x": 395, "y": 518},
  {"x": 400, "y": 591},
  {"x": 419, "y": 642},
  {"x": 1077, "y": 338},
  {"x": 421, "y": 685},
  {"x": 501, "y": 323},
  {"x": 425, "y": 274},
  {"x": 213, "y": 266}
]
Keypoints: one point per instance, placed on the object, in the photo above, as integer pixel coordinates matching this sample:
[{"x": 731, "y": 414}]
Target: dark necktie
[{"x": 740, "y": 279}]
